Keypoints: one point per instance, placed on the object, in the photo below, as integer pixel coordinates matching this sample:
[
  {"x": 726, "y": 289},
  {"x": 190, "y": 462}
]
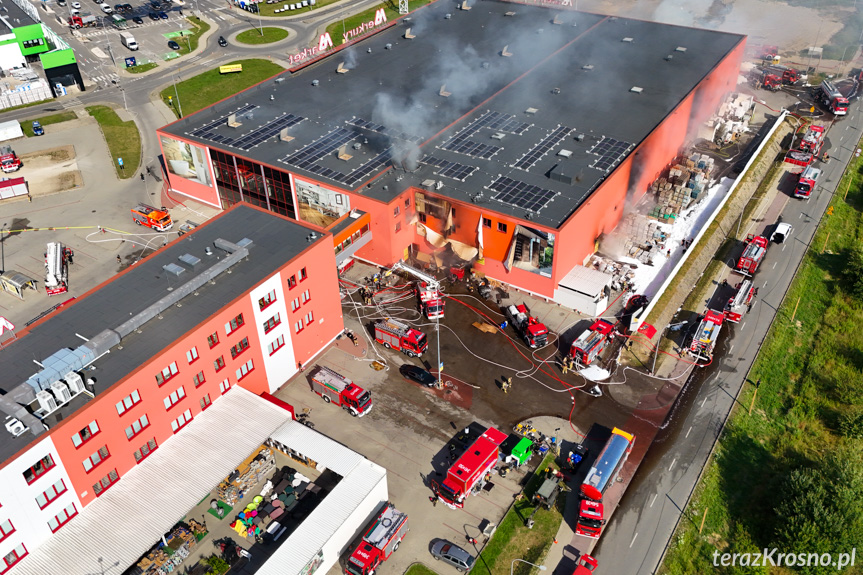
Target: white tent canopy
[{"x": 10, "y": 130}]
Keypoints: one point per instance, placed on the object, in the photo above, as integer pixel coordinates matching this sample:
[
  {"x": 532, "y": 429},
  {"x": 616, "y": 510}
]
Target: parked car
[
  {"x": 173, "y": 45},
  {"x": 106, "y": 9},
  {"x": 76, "y": 5},
  {"x": 127, "y": 7},
  {"x": 781, "y": 233},
  {"x": 38, "y": 130},
  {"x": 137, "y": 20},
  {"x": 162, "y": 15},
  {"x": 119, "y": 8},
  {"x": 153, "y": 16},
  {"x": 451, "y": 553},
  {"x": 417, "y": 374},
  {"x": 222, "y": 41}
]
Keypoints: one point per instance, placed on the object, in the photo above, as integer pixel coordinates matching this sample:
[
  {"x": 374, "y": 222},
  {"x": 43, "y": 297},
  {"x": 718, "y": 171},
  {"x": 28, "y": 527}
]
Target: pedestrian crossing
[
  {"x": 106, "y": 79},
  {"x": 71, "y": 103}
]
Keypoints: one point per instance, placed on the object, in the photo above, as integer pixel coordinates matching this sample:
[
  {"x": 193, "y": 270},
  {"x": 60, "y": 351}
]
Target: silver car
[{"x": 452, "y": 554}]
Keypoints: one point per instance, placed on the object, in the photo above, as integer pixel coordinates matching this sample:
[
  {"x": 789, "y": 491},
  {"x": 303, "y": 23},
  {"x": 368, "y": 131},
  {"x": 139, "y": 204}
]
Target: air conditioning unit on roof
[
  {"x": 61, "y": 392},
  {"x": 46, "y": 401},
  {"x": 75, "y": 382}
]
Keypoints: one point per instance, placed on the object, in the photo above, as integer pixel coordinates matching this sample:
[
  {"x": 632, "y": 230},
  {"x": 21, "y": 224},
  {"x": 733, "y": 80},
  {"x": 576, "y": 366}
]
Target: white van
[
  {"x": 128, "y": 40},
  {"x": 781, "y": 233}
]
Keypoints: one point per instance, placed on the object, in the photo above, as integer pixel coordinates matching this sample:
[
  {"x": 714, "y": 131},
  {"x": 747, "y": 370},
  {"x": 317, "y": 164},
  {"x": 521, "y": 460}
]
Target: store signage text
[{"x": 325, "y": 41}]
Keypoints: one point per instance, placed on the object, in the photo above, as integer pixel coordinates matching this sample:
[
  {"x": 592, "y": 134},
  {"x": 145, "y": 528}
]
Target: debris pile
[
  {"x": 684, "y": 185},
  {"x": 731, "y": 121}
]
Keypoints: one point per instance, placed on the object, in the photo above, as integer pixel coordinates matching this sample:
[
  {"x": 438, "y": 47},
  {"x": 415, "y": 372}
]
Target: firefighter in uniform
[{"x": 564, "y": 368}]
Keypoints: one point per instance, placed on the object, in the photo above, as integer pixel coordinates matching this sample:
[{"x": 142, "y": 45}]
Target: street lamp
[
  {"x": 177, "y": 94},
  {"x": 655, "y": 355},
  {"x": 3, "y": 248},
  {"x": 540, "y": 567}
]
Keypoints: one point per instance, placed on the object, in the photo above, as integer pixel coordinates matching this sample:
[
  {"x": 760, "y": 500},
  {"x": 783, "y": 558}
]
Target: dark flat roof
[
  {"x": 399, "y": 88},
  {"x": 14, "y": 17},
  {"x": 277, "y": 240}
]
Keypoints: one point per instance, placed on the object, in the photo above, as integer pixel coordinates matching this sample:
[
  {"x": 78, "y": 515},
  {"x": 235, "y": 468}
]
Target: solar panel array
[
  {"x": 449, "y": 169},
  {"x": 263, "y": 133},
  {"x": 520, "y": 194},
  {"x": 528, "y": 160},
  {"x": 462, "y": 144},
  {"x": 507, "y": 123},
  {"x": 367, "y": 169},
  {"x": 366, "y": 125},
  {"x": 208, "y": 130},
  {"x": 309, "y": 155},
  {"x": 610, "y": 152}
]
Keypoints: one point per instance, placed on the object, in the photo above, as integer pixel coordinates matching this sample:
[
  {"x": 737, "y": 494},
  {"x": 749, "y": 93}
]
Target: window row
[
  {"x": 174, "y": 398},
  {"x": 299, "y": 326},
  {"x": 63, "y": 517},
  {"x": 96, "y": 458},
  {"x": 292, "y": 281},
  {"x": 304, "y": 298},
  {"x": 106, "y": 482},
  {"x": 38, "y": 469},
  {"x": 85, "y": 434},
  {"x": 51, "y": 494},
  {"x": 13, "y": 557}
]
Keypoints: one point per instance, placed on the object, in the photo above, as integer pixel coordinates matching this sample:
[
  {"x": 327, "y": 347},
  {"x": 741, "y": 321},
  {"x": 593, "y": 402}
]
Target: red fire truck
[
  {"x": 379, "y": 542},
  {"x": 467, "y": 472},
  {"x": 57, "y": 259},
  {"x": 587, "y": 346},
  {"x": 831, "y": 98},
  {"x": 336, "y": 388},
  {"x": 807, "y": 147},
  {"x": 159, "y": 220},
  {"x": 753, "y": 253},
  {"x": 806, "y": 182},
  {"x": 429, "y": 297},
  {"x": 590, "y": 518},
  {"x": 586, "y": 565},
  {"x": 533, "y": 331},
  {"x": 9, "y": 161},
  {"x": 706, "y": 335},
  {"x": 734, "y": 308},
  {"x": 399, "y": 336}
]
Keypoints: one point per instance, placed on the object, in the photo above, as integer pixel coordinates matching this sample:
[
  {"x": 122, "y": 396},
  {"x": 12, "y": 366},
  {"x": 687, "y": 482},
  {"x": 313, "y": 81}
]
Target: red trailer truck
[
  {"x": 605, "y": 470},
  {"x": 831, "y": 98},
  {"x": 379, "y": 542},
  {"x": 807, "y": 147},
  {"x": 470, "y": 469},
  {"x": 753, "y": 253},
  {"x": 396, "y": 335},
  {"x": 336, "y": 388},
  {"x": 590, "y": 518},
  {"x": 587, "y": 346}
]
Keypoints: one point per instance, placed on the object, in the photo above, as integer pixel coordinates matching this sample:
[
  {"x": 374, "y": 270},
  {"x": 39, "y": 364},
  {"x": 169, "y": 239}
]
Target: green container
[{"x": 521, "y": 451}]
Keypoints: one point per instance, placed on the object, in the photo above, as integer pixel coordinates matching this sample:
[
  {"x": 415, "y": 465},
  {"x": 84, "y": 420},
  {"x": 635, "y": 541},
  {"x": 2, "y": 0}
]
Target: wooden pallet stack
[{"x": 684, "y": 185}]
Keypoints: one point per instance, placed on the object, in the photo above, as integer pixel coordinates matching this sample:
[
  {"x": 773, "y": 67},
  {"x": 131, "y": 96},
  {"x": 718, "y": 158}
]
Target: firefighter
[
  {"x": 119, "y": 261},
  {"x": 564, "y": 368}
]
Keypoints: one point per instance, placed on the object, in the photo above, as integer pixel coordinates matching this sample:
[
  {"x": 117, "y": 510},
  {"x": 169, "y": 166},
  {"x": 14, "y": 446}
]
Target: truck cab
[
  {"x": 807, "y": 181},
  {"x": 586, "y": 565},
  {"x": 590, "y": 519}
]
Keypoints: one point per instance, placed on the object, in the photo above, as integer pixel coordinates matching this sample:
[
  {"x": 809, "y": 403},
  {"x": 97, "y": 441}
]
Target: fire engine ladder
[
  {"x": 394, "y": 327},
  {"x": 331, "y": 378},
  {"x": 591, "y": 341},
  {"x": 431, "y": 281},
  {"x": 740, "y": 297},
  {"x": 385, "y": 527}
]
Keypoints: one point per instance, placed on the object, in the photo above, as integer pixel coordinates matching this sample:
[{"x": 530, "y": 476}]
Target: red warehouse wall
[
  {"x": 720, "y": 81},
  {"x": 387, "y": 245},
  {"x": 205, "y": 194}
]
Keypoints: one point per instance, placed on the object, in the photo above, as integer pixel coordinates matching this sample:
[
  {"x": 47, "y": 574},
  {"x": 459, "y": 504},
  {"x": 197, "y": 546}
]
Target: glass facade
[{"x": 239, "y": 180}]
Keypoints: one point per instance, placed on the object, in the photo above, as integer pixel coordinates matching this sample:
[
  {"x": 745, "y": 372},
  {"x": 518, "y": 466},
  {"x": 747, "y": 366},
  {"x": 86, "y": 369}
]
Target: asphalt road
[{"x": 649, "y": 511}]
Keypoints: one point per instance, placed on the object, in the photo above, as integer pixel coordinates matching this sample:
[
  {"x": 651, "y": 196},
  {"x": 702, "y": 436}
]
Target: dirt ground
[{"x": 51, "y": 171}]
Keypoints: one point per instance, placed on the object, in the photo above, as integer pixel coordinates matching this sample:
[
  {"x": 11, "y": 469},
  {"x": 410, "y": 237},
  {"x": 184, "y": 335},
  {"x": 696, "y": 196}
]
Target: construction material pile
[
  {"x": 685, "y": 183},
  {"x": 730, "y": 122}
]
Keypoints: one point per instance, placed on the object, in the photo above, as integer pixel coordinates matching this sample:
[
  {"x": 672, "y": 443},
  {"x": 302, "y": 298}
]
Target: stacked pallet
[{"x": 683, "y": 186}]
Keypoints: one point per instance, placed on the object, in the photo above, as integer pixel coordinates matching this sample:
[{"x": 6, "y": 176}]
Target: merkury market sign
[{"x": 325, "y": 42}]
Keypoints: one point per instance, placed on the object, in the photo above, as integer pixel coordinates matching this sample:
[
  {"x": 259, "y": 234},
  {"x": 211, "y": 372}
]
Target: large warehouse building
[{"x": 492, "y": 134}]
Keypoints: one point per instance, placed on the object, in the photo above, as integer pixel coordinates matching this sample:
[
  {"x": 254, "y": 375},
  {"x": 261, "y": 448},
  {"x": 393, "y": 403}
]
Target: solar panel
[
  {"x": 309, "y": 154},
  {"x": 610, "y": 152},
  {"x": 207, "y": 131},
  {"x": 520, "y": 194},
  {"x": 508, "y": 123},
  {"x": 263, "y": 133},
  {"x": 371, "y": 126},
  {"x": 364, "y": 171},
  {"x": 449, "y": 169},
  {"x": 533, "y": 155},
  {"x": 460, "y": 142}
]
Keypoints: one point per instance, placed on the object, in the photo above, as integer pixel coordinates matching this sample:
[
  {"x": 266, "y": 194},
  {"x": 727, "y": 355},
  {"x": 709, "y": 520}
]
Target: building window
[
  {"x": 205, "y": 402},
  {"x": 213, "y": 339},
  {"x": 422, "y": 217},
  {"x": 271, "y": 323},
  {"x": 452, "y": 212},
  {"x": 241, "y": 346},
  {"x": 128, "y": 402},
  {"x": 181, "y": 421},
  {"x": 14, "y": 557},
  {"x": 106, "y": 482},
  {"x": 234, "y": 324},
  {"x": 486, "y": 223},
  {"x": 62, "y": 518},
  {"x": 408, "y": 202},
  {"x": 306, "y": 296},
  {"x": 396, "y": 211},
  {"x": 309, "y": 318},
  {"x": 96, "y": 458},
  {"x": 219, "y": 363},
  {"x": 225, "y": 386},
  {"x": 167, "y": 373},
  {"x": 6, "y": 529},
  {"x": 292, "y": 282},
  {"x": 245, "y": 369},
  {"x": 50, "y": 494},
  {"x": 398, "y": 227},
  {"x": 137, "y": 427},
  {"x": 145, "y": 450},
  {"x": 192, "y": 355},
  {"x": 276, "y": 345},
  {"x": 85, "y": 434},
  {"x": 298, "y": 326},
  {"x": 38, "y": 469},
  {"x": 268, "y": 299},
  {"x": 174, "y": 398},
  {"x": 295, "y": 305},
  {"x": 501, "y": 227},
  {"x": 199, "y": 378},
  {"x": 303, "y": 274}
]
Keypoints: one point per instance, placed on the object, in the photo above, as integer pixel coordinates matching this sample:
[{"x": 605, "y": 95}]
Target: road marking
[
  {"x": 703, "y": 401},
  {"x": 783, "y": 249},
  {"x": 800, "y": 216},
  {"x": 673, "y": 461},
  {"x": 731, "y": 348},
  {"x": 655, "y": 495},
  {"x": 687, "y": 435},
  {"x": 774, "y": 263},
  {"x": 742, "y": 325},
  {"x": 633, "y": 540}
]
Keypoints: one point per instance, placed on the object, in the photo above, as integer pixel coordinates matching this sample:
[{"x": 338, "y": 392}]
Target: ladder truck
[
  {"x": 379, "y": 542},
  {"x": 335, "y": 388},
  {"x": 401, "y": 337},
  {"x": 808, "y": 147},
  {"x": 592, "y": 341},
  {"x": 706, "y": 336},
  {"x": 734, "y": 308},
  {"x": 427, "y": 289},
  {"x": 57, "y": 258}
]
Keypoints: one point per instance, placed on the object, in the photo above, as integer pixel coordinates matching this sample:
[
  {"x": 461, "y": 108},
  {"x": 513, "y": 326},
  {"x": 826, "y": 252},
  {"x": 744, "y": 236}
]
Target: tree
[{"x": 853, "y": 272}]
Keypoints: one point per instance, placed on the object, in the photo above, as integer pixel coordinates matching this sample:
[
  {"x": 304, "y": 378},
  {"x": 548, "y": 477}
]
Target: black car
[
  {"x": 222, "y": 41},
  {"x": 163, "y": 16},
  {"x": 417, "y": 374},
  {"x": 153, "y": 16},
  {"x": 118, "y": 8},
  {"x": 173, "y": 45},
  {"x": 127, "y": 7},
  {"x": 137, "y": 20}
]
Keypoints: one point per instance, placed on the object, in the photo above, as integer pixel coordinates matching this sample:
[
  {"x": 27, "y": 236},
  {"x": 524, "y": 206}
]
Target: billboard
[
  {"x": 186, "y": 161},
  {"x": 318, "y": 205}
]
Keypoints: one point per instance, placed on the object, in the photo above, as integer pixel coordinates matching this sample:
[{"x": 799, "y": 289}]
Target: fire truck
[
  {"x": 706, "y": 335},
  {"x": 771, "y": 82},
  {"x": 608, "y": 464},
  {"x": 379, "y": 542},
  {"x": 336, "y": 388},
  {"x": 534, "y": 332},
  {"x": 734, "y": 308},
  {"x": 753, "y": 253},
  {"x": 81, "y": 20},
  {"x": 9, "y": 161},
  {"x": 587, "y": 346},
  {"x": 590, "y": 518},
  {"x": 808, "y": 147},
  {"x": 806, "y": 182},
  {"x": 585, "y": 565},
  {"x": 57, "y": 258},
  {"x": 469, "y": 469},
  {"x": 831, "y": 98},
  {"x": 157, "y": 219},
  {"x": 429, "y": 297},
  {"x": 784, "y": 73},
  {"x": 401, "y": 337}
]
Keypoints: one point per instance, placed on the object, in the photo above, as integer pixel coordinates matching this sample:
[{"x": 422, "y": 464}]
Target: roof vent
[
  {"x": 531, "y": 111},
  {"x": 579, "y": 138},
  {"x": 189, "y": 260},
  {"x": 627, "y": 39},
  {"x": 173, "y": 269},
  {"x": 636, "y": 90},
  {"x": 315, "y": 82},
  {"x": 555, "y": 91},
  {"x": 680, "y": 49},
  {"x": 498, "y": 136},
  {"x": 564, "y": 153},
  {"x": 669, "y": 58},
  {"x": 587, "y": 67},
  {"x": 509, "y": 14},
  {"x": 486, "y": 65},
  {"x": 447, "y": 16}
]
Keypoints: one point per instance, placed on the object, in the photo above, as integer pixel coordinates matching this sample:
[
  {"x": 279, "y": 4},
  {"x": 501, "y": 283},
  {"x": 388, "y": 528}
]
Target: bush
[
  {"x": 851, "y": 425},
  {"x": 217, "y": 565},
  {"x": 853, "y": 273}
]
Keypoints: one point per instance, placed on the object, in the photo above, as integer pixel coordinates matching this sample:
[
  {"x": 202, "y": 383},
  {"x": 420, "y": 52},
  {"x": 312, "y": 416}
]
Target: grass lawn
[
  {"x": 337, "y": 28},
  {"x": 27, "y": 125},
  {"x": 270, "y": 9},
  {"x": 254, "y": 35},
  {"x": 419, "y": 569},
  {"x": 809, "y": 369},
  {"x": 189, "y": 41},
  {"x": 205, "y": 89},
  {"x": 123, "y": 139},
  {"x": 140, "y": 68},
  {"x": 512, "y": 540}
]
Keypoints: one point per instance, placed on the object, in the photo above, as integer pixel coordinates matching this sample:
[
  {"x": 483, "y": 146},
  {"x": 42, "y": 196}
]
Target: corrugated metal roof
[
  {"x": 333, "y": 511},
  {"x": 320, "y": 448},
  {"x": 131, "y": 516}
]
